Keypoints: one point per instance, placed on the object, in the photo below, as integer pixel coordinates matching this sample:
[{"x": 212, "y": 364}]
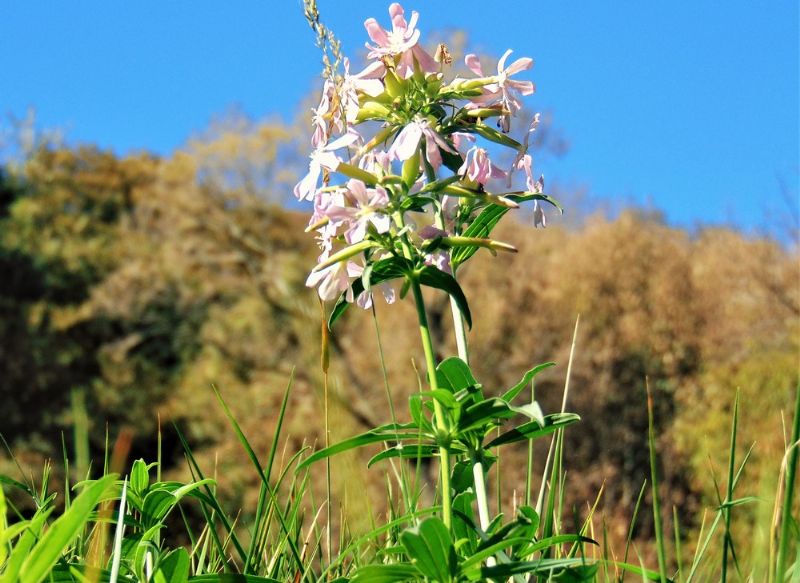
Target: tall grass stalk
[
  {"x": 727, "y": 505},
  {"x": 659, "y": 531},
  {"x": 784, "y": 533}
]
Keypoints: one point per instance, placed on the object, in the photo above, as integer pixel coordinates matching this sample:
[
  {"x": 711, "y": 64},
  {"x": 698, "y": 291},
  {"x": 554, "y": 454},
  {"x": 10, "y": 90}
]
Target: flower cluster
[{"x": 415, "y": 153}]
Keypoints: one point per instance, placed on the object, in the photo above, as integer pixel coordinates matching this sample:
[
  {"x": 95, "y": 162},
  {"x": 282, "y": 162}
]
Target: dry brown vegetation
[{"x": 139, "y": 282}]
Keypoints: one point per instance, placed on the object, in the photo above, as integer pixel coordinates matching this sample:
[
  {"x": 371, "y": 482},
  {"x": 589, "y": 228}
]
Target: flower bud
[
  {"x": 372, "y": 109},
  {"x": 345, "y": 253},
  {"x": 394, "y": 86},
  {"x": 355, "y": 172},
  {"x": 482, "y": 112},
  {"x": 411, "y": 169}
]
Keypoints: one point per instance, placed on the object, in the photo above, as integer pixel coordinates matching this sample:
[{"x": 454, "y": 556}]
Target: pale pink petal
[
  {"x": 501, "y": 64},
  {"x": 426, "y": 62},
  {"x": 412, "y": 24},
  {"x": 539, "y": 220},
  {"x": 397, "y": 13},
  {"x": 382, "y": 222},
  {"x": 432, "y": 153},
  {"x": 364, "y": 300},
  {"x": 524, "y": 87},
  {"x": 388, "y": 291},
  {"x": 522, "y": 64},
  {"x": 376, "y": 32},
  {"x": 305, "y": 189},
  {"x": 474, "y": 64},
  {"x": 358, "y": 191},
  {"x": 406, "y": 142}
]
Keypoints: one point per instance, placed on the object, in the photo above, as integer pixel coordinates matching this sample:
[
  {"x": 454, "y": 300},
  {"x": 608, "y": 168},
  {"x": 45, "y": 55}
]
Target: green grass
[{"x": 85, "y": 539}]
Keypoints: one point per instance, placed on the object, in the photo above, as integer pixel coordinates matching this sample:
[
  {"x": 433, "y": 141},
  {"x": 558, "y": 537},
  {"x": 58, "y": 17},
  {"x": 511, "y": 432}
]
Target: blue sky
[{"x": 692, "y": 106}]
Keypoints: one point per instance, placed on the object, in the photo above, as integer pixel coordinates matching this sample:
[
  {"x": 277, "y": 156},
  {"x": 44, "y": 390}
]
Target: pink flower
[
  {"x": 401, "y": 41},
  {"x": 525, "y": 163},
  {"x": 359, "y": 208},
  {"x": 440, "y": 258},
  {"x": 518, "y": 163},
  {"x": 366, "y": 82},
  {"x": 322, "y": 115},
  {"x": 322, "y": 158},
  {"x": 477, "y": 166},
  {"x": 334, "y": 279},
  {"x": 504, "y": 91},
  {"x": 407, "y": 142},
  {"x": 364, "y": 299}
]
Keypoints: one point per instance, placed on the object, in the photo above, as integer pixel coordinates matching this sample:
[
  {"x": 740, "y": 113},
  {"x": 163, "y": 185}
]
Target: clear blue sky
[{"x": 692, "y": 105}]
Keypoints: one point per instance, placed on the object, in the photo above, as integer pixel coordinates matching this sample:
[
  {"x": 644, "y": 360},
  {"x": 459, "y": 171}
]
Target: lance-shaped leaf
[
  {"x": 534, "y": 429},
  {"x": 493, "y": 199},
  {"x": 493, "y": 135},
  {"x": 455, "y": 375},
  {"x": 403, "y": 450},
  {"x": 432, "y": 277},
  {"x": 391, "y": 573},
  {"x": 511, "y": 393},
  {"x": 391, "y": 432},
  {"x": 431, "y": 550},
  {"x": 379, "y": 272},
  {"x": 487, "y": 219}
]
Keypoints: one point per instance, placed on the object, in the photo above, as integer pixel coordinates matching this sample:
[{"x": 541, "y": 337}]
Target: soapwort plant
[{"x": 403, "y": 177}]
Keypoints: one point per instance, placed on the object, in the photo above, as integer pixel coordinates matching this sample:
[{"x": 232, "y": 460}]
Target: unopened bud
[
  {"x": 318, "y": 225},
  {"x": 372, "y": 109},
  {"x": 359, "y": 174},
  {"x": 345, "y": 253},
  {"x": 482, "y": 112},
  {"x": 394, "y": 86}
]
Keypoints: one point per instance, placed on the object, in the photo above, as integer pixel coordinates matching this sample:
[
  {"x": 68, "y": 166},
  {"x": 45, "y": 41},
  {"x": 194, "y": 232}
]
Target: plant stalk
[
  {"x": 430, "y": 363},
  {"x": 441, "y": 422},
  {"x": 785, "y": 536}
]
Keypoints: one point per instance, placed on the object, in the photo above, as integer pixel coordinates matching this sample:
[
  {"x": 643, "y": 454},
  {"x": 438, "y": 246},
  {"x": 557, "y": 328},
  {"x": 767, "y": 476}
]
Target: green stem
[
  {"x": 784, "y": 538},
  {"x": 430, "y": 362},
  {"x": 441, "y": 422}
]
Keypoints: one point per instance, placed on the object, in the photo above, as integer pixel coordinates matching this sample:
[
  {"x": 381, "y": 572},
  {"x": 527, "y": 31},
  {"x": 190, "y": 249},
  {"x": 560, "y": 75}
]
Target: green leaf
[
  {"x": 493, "y": 135},
  {"x": 578, "y": 574},
  {"x": 159, "y": 502},
  {"x": 487, "y": 219},
  {"x": 385, "y": 573},
  {"x": 413, "y": 451},
  {"x": 437, "y": 185},
  {"x": 21, "y": 550},
  {"x": 173, "y": 568},
  {"x": 444, "y": 397},
  {"x": 455, "y": 375},
  {"x": 372, "y": 436},
  {"x": 140, "y": 477},
  {"x": 382, "y": 270},
  {"x": 520, "y": 567},
  {"x": 637, "y": 570},
  {"x": 534, "y": 429},
  {"x": 83, "y": 573},
  {"x": 45, "y": 554},
  {"x": 484, "y": 414},
  {"x": 12, "y": 482},
  {"x": 511, "y": 393},
  {"x": 436, "y": 278},
  {"x": 231, "y": 578},
  {"x": 431, "y": 550}
]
